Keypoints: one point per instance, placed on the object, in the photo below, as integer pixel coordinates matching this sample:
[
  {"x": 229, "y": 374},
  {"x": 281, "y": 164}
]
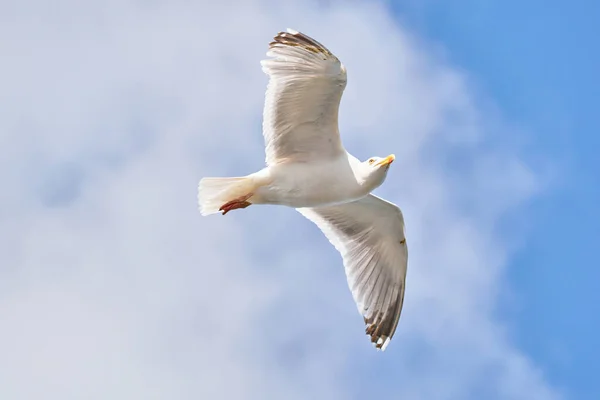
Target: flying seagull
[{"x": 309, "y": 169}]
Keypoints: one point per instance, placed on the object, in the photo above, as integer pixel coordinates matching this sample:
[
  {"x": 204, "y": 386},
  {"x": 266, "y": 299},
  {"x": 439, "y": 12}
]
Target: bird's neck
[{"x": 364, "y": 178}]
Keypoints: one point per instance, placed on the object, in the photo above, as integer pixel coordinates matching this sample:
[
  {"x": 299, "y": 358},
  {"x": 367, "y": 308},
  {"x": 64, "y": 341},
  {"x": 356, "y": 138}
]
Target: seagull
[{"x": 307, "y": 168}]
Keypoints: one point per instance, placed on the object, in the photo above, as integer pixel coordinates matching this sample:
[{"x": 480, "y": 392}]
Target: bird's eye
[{"x": 371, "y": 161}]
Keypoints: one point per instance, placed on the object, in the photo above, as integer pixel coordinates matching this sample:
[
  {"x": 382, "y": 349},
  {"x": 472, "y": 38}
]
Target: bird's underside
[{"x": 300, "y": 127}]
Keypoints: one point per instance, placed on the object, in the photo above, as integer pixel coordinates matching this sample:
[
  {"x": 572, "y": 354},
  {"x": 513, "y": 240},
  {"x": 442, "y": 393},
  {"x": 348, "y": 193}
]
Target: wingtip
[
  {"x": 382, "y": 343},
  {"x": 296, "y": 38},
  {"x": 379, "y": 339}
]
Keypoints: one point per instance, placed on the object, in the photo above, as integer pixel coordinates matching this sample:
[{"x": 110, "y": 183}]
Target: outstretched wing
[
  {"x": 300, "y": 116},
  {"x": 369, "y": 234}
]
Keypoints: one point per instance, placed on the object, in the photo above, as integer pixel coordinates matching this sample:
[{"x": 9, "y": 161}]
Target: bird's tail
[{"x": 215, "y": 192}]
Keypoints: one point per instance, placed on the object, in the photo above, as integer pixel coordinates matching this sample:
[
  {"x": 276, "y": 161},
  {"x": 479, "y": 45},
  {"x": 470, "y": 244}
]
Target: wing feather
[
  {"x": 300, "y": 116},
  {"x": 369, "y": 234}
]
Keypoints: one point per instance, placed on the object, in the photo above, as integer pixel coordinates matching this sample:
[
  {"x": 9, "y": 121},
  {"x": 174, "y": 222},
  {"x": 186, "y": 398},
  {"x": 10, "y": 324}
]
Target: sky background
[{"x": 113, "y": 286}]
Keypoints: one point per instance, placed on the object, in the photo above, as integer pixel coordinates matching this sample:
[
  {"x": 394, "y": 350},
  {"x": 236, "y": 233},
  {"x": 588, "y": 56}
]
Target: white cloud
[{"x": 113, "y": 286}]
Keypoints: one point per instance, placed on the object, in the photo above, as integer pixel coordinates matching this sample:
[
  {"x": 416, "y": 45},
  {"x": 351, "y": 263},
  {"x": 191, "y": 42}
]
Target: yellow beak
[{"x": 386, "y": 161}]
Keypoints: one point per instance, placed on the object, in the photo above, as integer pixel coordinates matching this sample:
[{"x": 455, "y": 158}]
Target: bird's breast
[{"x": 311, "y": 185}]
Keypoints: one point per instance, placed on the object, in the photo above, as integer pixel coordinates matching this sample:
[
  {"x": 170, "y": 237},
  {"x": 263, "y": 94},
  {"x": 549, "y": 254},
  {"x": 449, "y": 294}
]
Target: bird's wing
[
  {"x": 369, "y": 234},
  {"x": 300, "y": 116}
]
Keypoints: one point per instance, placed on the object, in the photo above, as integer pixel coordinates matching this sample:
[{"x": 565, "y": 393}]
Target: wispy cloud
[{"x": 113, "y": 286}]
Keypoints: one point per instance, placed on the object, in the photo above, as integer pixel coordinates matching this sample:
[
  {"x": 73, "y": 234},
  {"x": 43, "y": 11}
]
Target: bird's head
[{"x": 376, "y": 169}]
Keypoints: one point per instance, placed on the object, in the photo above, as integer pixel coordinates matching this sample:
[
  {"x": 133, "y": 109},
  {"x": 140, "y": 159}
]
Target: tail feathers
[{"x": 214, "y": 192}]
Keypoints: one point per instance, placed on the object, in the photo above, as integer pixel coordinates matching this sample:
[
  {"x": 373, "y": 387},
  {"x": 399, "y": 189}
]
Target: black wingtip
[{"x": 295, "y": 38}]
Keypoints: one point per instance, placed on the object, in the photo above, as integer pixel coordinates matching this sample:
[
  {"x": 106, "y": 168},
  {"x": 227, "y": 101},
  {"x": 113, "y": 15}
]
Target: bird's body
[
  {"x": 309, "y": 169},
  {"x": 320, "y": 183}
]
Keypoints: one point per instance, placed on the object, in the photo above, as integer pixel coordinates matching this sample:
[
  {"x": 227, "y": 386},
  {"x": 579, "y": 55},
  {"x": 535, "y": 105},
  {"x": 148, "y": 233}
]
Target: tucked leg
[{"x": 238, "y": 203}]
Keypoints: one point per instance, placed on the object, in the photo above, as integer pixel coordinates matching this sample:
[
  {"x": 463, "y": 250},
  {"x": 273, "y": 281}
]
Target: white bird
[{"x": 307, "y": 168}]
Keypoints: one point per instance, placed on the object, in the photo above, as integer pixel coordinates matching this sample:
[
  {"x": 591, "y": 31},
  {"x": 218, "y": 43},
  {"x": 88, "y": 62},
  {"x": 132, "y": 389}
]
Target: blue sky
[
  {"x": 539, "y": 61},
  {"x": 113, "y": 286}
]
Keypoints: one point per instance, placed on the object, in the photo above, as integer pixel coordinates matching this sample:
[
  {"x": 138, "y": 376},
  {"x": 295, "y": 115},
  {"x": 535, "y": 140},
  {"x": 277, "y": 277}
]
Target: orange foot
[{"x": 235, "y": 204}]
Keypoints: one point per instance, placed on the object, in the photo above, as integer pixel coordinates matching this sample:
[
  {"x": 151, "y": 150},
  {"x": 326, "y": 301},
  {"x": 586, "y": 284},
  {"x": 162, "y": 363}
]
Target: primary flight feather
[{"x": 307, "y": 168}]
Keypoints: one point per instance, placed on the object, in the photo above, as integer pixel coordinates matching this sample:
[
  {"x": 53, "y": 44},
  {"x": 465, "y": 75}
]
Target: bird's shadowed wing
[
  {"x": 300, "y": 116},
  {"x": 369, "y": 234}
]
